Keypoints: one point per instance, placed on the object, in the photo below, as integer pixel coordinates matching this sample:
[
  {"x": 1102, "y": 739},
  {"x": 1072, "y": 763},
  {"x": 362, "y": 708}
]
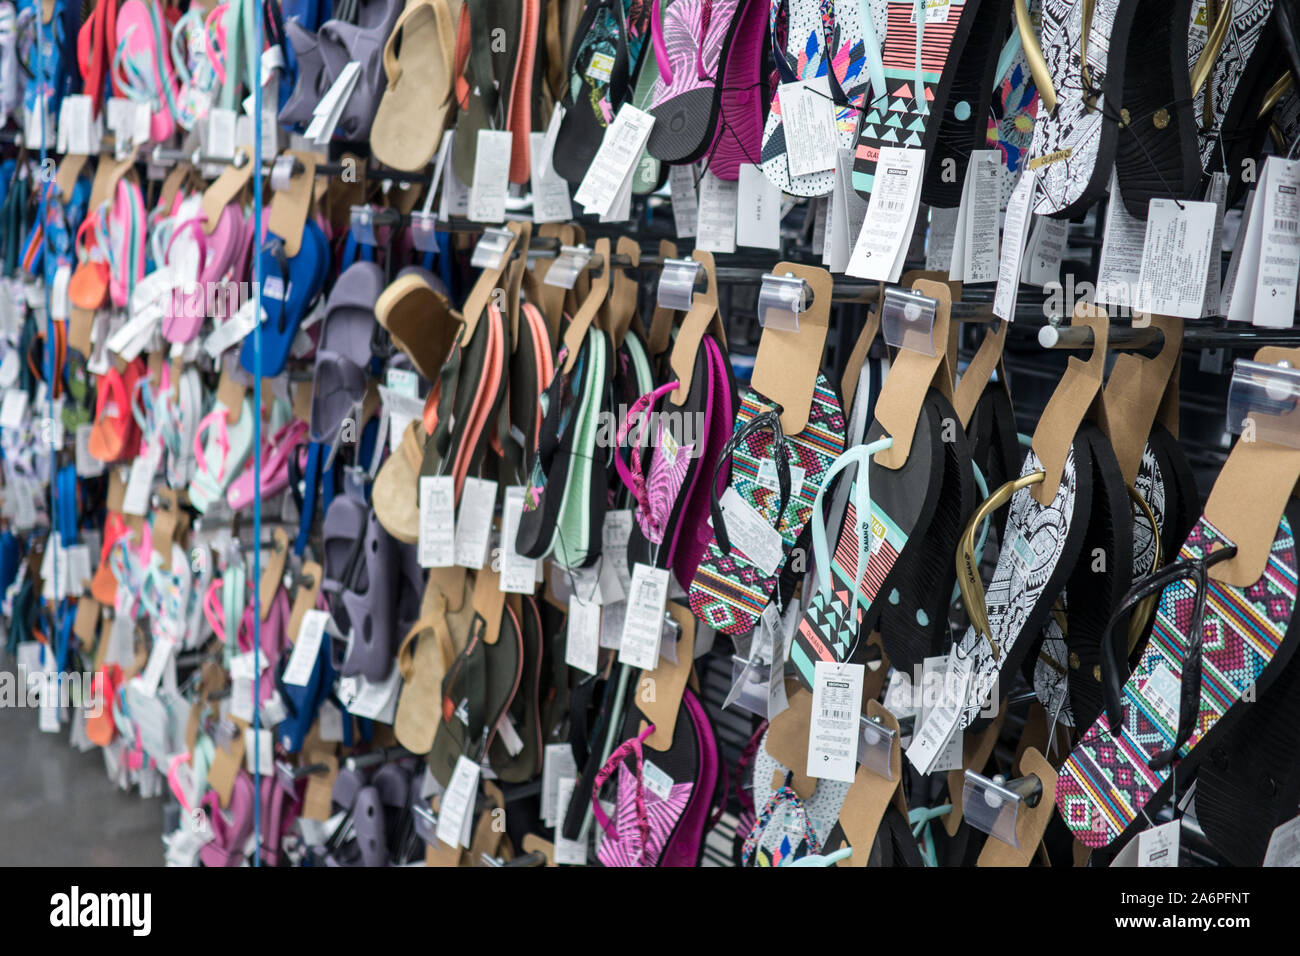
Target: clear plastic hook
[
  {"x": 424, "y": 229},
  {"x": 564, "y": 271},
  {"x": 490, "y": 250},
  {"x": 908, "y": 320},
  {"x": 362, "y": 221},
  {"x": 1264, "y": 403},
  {"x": 780, "y": 300},
  {"x": 991, "y": 807},
  {"x": 285, "y": 778},
  {"x": 677, "y": 284},
  {"x": 875, "y": 746},
  {"x": 282, "y": 173}
]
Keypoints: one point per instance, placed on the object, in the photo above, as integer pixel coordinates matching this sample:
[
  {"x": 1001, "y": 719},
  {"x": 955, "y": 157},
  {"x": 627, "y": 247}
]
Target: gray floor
[{"x": 57, "y": 807}]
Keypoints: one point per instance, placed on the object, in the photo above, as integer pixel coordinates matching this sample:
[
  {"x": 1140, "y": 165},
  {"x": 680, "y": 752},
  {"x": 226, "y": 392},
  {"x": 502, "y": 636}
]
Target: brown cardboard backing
[
  {"x": 273, "y": 573},
  {"x": 171, "y": 185},
  {"x": 81, "y": 322},
  {"x": 1036, "y": 735},
  {"x": 512, "y": 282},
  {"x": 1136, "y": 393},
  {"x": 484, "y": 286},
  {"x": 487, "y": 837},
  {"x": 590, "y": 309},
  {"x": 966, "y": 394},
  {"x": 1032, "y": 821},
  {"x": 975, "y": 752},
  {"x": 223, "y": 191},
  {"x": 289, "y": 209},
  {"x": 535, "y": 844},
  {"x": 489, "y": 602},
  {"x": 316, "y": 802},
  {"x": 858, "y": 357},
  {"x": 870, "y": 795},
  {"x": 451, "y": 582},
  {"x": 107, "y": 173},
  {"x": 170, "y": 524},
  {"x": 659, "y": 336},
  {"x": 620, "y": 307},
  {"x": 910, "y": 377},
  {"x": 702, "y": 317},
  {"x": 787, "y": 363},
  {"x": 549, "y": 298},
  {"x": 787, "y": 740},
  {"x": 86, "y": 623},
  {"x": 668, "y": 681},
  {"x": 1077, "y": 396},
  {"x": 439, "y": 854},
  {"x": 69, "y": 170},
  {"x": 226, "y": 765},
  {"x": 1251, "y": 493},
  {"x": 230, "y": 393},
  {"x": 305, "y": 599}
]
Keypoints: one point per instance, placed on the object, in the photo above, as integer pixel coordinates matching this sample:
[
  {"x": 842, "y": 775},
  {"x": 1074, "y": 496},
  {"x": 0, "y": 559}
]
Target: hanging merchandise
[{"x": 689, "y": 433}]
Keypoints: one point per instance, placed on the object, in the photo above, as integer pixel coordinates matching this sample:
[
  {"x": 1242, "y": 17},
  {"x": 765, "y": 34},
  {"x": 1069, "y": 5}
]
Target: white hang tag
[
  {"x": 848, "y": 211},
  {"x": 38, "y": 125},
  {"x": 454, "y": 201},
  {"x": 643, "y": 626},
  {"x": 621, "y": 209},
  {"x": 615, "y": 534},
  {"x": 10, "y": 368},
  {"x": 550, "y": 192},
  {"x": 821, "y": 222},
  {"x": 77, "y": 561},
  {"x": 306, "y": 647},
  {"x": 611, "y": 624},
  {"x": 751, "y": 534},
  {"x": 1234, "y": 265},
  {"x": 1175, "y": 258},
  {"x": 487, "y": 194},
  {"x": 882, "y": 243},
  {"x": 259, "y": 748},
  {"x": 377, "y": 700},
  {"x": 456, "y": 808},
  {"x": 1284, "y": 845},
  {"x": 978, "y": 215},
  {"x": 812, "y": 137},
  {"x": 941, "y": 241},
  {"x": 567, "y": 852},
  {"x": 715, "y": 229},
  {"x": 1046, "y": 250},
  {"x": 686, "y": 207},
  {"x": 615, "y": 160},
  {"x": 401, "y": 409},
  {"x": 1013, "y": 246},
  {"x": 221, "y": 133},
  {"x": 233, "y": 330},
  {"x": 329, "y": 110},
  {"x": 59, "y": 305},
  {"x": 758, "y": 210},
  {"x": 1159, "y": 845},
  {"x": 13, "y": 410},
  {"x": 88, "y": 466},
  {"x": 508, "y": 734},
  {"x": 557, "y": 762},
  {"x": 1121, "y": 252},
  {"x": 582, "y": 646},
  {"x": 518, "y": 574},
  {"x": 1217, "y": 193},
  {"x": 833, "y": 730},
  {"x": 159, "y": 654},
  {"x": 77, "y": 125},
  {"x": 931, "y": 738},
  {"x": 136, "y": 499},
  {"x": 437, "y": 541},
  {"x": 933, "y": 684},
  {"x": 474, "y": 523},
  {"x": 546, "y": 153},
  {"x": 1279, "y": 246}
]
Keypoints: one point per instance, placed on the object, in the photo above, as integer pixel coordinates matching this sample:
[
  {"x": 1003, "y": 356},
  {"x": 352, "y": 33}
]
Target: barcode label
[
  {"x": 891, "y": 205},
  {"x": 835, "y": 714},
  {"x": 1286, "y": 225}
]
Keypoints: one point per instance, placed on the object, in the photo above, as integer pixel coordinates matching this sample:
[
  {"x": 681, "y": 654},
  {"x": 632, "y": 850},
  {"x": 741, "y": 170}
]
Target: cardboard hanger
[
  {"x": 787, "y": 363},
  {"x": 861, "y": 349},
  {"x": 620, "y": 306},
  {"x": 273, "y": 573},
  {"x": 513, "y": 278},
  {"x": 108, "y": 173},
  {"x": 787, "y": 740},
  {"x": 489, "y": 602},
  {"x": 590, "y": 309},
  {"x": 230, "y": 393},
  {"x": 1141, "y": 390},
  {"x": 291, "y": 207},
  {"x": 170, "y": 524},
  {"x": 703, "y": 316},
  {"x": 69, "y": 171},
  {"x": 1251, "y": 492},
  {"x": 1030, "y": 823},
  {"x": 669, "y": 682},
  {"x": 1078, "y": 396},
  {"x": 176, "y": 177},
  {"x": 223, "y": 191},
  {"x": 659, "y": 336},
  {"x": 986, "y": 360},
  {"x": 870, "y": 795},
  {"x": 907, "y": 280},
  {"x": 305, "y": 599},
  {"x": 911, "y": 376},
  {"x": 486, "y": 284},
  {"x": 975, "y": 752}
]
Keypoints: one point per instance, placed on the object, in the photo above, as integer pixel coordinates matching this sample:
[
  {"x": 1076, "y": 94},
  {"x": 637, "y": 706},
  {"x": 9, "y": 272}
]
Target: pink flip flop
[
  {"x": 275, "y": 467},
  {"x": 142, "y": 64},
  {"x": 200, "y": 260}
]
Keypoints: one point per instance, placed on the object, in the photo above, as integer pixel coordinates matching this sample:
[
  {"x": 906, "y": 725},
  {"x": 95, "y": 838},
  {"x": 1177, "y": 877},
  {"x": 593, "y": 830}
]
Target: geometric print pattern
[
  {"x": 1249, "y": 18},
  {"x": 1107, "y": 780},
  {"x": 626, "y": 847}
]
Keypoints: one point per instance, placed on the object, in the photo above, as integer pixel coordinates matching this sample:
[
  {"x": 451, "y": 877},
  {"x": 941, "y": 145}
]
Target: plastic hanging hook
[
  {"x": 1264, "y": 403},
  {"x": 564, "y": 271},
  {"x": 362, "y": 220},
  {"x": 282, "y": 173},
  {"x": 491, "y": 248},
  {"x": 677, "y": 284},
  {"x": 993, "y": 806},
  {"x": 875, "y": 746},
  {"x": 907, "y": 320},
  {"x": 424, "y": 227},
  {"x": 780, "y": 300}
]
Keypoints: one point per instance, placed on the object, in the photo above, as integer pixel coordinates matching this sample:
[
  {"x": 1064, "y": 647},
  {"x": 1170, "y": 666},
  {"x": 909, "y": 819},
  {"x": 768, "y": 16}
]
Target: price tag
[
  {"x": 882, "y": 243},
  {"x": 848, "y": 211},
  {"x": 159, "y": 655},
  {"x": 456, "y": 808},
  {"x": 455, "y": 194},
  {"x": 1015, "y": 226},
  {"x": 614, "y": 538},
  {"x": 758, "y": 210},
  {"x": 1159, "y": 845},
  {"x": 518, "y": 574},
  {"x": 751, "y": 534},
  {"x": 930, "y": 741},
  {"x": 1217, "y": 193},
  {"x": 941, "y": 240},
  {"x": 686, "y": 213},
  {"x": 933, "y": 686},
  {"x": 1046, "y": 250},
  {"x": 975, "y": 239},
  {"x": 644, "y": 623},
  {"x": 487, "y": 194},
  {"x": 474, "y": 523},
  {"x": 377, "y": 700},
  {"x": 812, "y": 136},
  {"x": 557, "y": 763},
  {"x": 567, "y": 852},
  {"x": 437, "y": 541},
  {"x": 582, "y": 648},
  {"x": 13, "y": 410},
  {"x": 1176, "y": 258},
  {"x": 221, "y": 133},
  {"x": 136, "y": 499},
  {"x": 306, "y": 648},
  {"x": 1121, "y": 252},
  {"x": 550, "y": 191},
  {"x": 715, "y": 228},
  {"x": 833, "y": 731},
  {"x": 615, "y": 160},
  {"x": 1265, "y": 285},
  {"x": 77, "y": 125},
  {"x": 236, "y": 328}
]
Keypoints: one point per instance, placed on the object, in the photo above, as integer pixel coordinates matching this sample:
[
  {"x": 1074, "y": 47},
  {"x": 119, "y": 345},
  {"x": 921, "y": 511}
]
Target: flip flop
[
  {"x": 812, "y": 38},
  {"x": 289, "y": 285},
  {"x": 142, "y": 66},
  {"x": 603, "y": 67},
  {"x": 1163, "y": 718},
  {"x": 274, "y": 477},
  {"x": 424, "y": 657},
  {"x": 729, "y": 590},
  {"x": 221, "y": 457},
  {"x": 313, "y": 80},
  {"x": 361, "y": 41},
  {"x": 485, "y": 73},
  {"x": 396, "y": 493},
  {"x": 744, "y": 95},
  {"x": 522, "y": 716},
  {"x": 417, "y": 314},
  {"x": 230, "y": 829},
  {"x": 1014, "y": 106},
  {"x": 198, "y": 261},
  {"x": 344, "y": 350},
  {"x": 370, "y": 597},
  {"x": 402, "y": 137},
  {"x": 115, "y": 436}
]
